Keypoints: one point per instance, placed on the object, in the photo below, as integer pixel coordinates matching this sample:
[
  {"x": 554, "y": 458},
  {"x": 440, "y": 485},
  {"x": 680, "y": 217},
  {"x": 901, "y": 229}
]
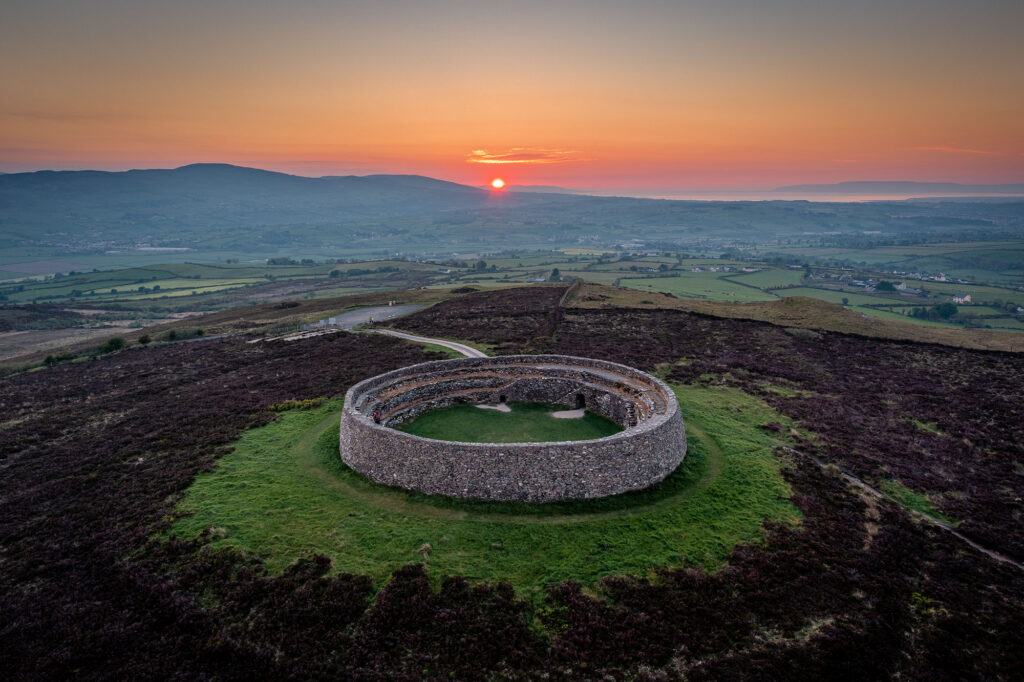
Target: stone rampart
[{"x": 651, "y": 446}]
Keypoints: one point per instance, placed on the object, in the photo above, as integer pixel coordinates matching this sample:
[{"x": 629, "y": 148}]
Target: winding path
[{"x": 468, "y": 351}]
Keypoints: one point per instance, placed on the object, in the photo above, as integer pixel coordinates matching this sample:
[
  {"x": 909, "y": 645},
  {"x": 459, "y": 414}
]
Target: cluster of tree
[
  {"x": 939, "y": 311},
  {"x": 112, "y": 345},
  {"x": 183, "y": 334},
  {"x": 285, "y": 260},
  {"x": 780, "y": 259},
  {"x": 915, "y": 238},
  {"x": 52, "y": 360},
  {"x": 360, "y": 272},
  {"x": 662, "y": 267},
  {"x": 1008, "y": 306},
  {"x": 7, "y": 291}
]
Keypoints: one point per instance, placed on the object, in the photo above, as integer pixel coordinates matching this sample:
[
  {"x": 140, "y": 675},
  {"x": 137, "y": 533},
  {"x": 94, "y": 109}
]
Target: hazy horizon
[
  {"x": 820, "y": 193},
  {"x": 604, "y": 95}
]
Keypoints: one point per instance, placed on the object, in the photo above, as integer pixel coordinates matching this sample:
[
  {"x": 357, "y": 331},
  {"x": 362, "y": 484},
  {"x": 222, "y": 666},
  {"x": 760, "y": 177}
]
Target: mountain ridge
[
  {"x": 227, "y": 207},
  {"x": 903, "y": 187}
]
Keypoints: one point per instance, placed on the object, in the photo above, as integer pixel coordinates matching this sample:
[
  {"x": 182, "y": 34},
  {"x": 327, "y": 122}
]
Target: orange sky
[{"x": 644, "y": 95}]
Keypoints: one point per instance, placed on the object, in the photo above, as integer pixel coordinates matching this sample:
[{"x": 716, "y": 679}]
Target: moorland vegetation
[{"x": 97, "y": 456}]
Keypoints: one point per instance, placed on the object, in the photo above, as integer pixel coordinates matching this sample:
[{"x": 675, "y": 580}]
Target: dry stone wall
[{"x": 651, "y": 446}]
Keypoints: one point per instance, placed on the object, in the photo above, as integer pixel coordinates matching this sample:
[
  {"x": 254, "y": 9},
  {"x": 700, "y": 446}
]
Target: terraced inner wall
[{"x": 651, "y": 446}]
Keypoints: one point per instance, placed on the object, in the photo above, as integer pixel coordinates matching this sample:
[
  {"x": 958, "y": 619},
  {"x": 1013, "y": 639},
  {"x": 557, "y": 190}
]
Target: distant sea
[{"x": 769, "y": 195}]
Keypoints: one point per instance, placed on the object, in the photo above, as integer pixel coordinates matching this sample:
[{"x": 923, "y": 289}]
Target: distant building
[{"x": 966, "y": 298}]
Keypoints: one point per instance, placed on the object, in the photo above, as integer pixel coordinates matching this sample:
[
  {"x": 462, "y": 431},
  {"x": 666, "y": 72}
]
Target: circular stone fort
[{"x": 650, "y": 446}]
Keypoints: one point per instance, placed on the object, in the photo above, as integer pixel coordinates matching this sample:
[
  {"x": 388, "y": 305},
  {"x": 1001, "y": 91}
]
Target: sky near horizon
[{"x": 646, "y": 95}]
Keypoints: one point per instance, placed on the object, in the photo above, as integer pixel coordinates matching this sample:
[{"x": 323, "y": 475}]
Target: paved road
[
  {"x": 460, "y": 347},
  {"x": 363, "y": 315}
]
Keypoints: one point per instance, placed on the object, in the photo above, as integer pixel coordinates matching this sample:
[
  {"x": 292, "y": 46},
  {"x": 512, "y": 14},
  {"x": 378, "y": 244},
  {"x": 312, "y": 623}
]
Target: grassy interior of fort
[
  {"x": 524, "y": 423},
  {"x": 283, "y": 493}
]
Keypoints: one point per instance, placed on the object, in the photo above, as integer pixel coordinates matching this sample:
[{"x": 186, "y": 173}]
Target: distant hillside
[
  {"x": 224, "y": 207},
  {"x": 220, "y": 205},
  {"x": 221, "y": 193},
  {"x": 545, "y": 189},
  {"x": 902, "y": 188}
]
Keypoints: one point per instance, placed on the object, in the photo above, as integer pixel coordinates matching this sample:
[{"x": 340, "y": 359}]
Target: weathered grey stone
[{"x": 651, "y": 446}]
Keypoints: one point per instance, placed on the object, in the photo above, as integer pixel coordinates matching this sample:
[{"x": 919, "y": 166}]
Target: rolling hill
[{"x": 224, "y": 207}]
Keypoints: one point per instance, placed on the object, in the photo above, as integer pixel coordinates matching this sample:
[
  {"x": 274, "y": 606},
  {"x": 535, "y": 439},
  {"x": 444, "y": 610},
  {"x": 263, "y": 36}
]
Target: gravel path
[{"x": 459, "y": 347}]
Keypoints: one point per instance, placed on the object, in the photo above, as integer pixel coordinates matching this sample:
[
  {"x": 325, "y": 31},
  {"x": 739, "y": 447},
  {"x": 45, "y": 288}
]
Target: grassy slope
[
  {"x": 284, "y": 493},
  {"x": 769, "y": 278},
  {"x": 701, "y": 285},
  {"x": 798, "y": 311},
  {"x": 913, "y": 500},
  {"x": 526, "y": 423}
]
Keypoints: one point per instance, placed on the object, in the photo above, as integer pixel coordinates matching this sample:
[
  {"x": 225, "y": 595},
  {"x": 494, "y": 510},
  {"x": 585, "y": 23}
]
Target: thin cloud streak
[
  {"x": 524, "y": 155},
  {"x": 953, "y": 150}
]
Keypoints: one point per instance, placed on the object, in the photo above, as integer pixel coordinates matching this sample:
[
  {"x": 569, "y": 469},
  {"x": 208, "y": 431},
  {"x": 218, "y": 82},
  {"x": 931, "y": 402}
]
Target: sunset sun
[{"x": 497, "y": 183}]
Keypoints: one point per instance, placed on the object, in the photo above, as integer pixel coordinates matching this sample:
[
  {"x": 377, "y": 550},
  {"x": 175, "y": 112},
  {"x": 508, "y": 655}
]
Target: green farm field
[
  {"x": 1006, "y": 323},
  {"x": 862, "y": 303},
  {"x": 979, "y": 294},
  {"x": 899, "y": 317},
  {"x": 769, "y": 279},
  {"x": 182, "y": 279},
  {"x": 706, "y": 285},
  {"x": 625, "y": 265},
  {"x": 984, "y": 310},
  {"x": 838, "y": 296},
  {"x": 595, "y": 276},
  {"x": 995, "y": 262},
  {"x": 193, "y": 286},
  {"x": 172, "y": 292}
]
